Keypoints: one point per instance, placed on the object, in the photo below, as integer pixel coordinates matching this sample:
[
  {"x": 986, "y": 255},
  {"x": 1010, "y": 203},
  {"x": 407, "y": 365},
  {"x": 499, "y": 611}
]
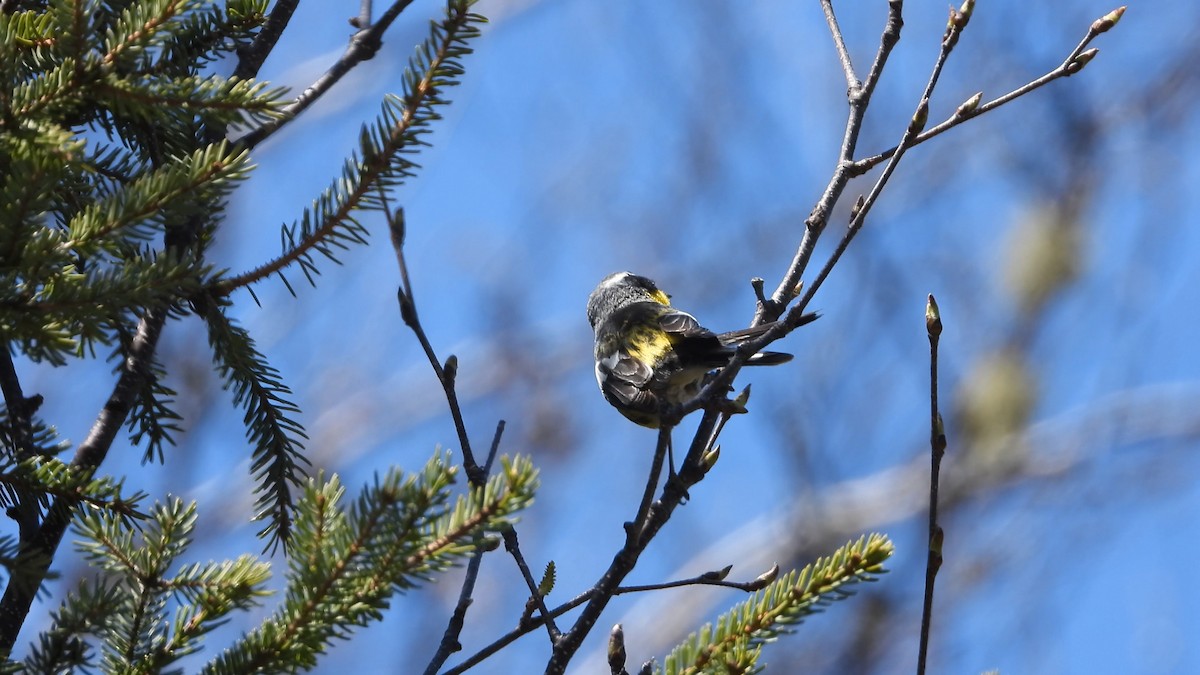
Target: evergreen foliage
[
  {"x": 346, "y": 565},
  {"x": 734, "y": 645},
  {"x": 136, "y": 615}
]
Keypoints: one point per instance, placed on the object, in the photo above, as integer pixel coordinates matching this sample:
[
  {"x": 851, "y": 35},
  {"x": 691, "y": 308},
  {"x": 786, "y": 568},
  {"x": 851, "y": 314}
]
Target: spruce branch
[
  {"x": 345, "y": 565},
  {"x": 140, "y": 27},
  {"x": 277, "y": 460},
  {"x": 38, "y": 551},
  {"x": 141, "y": 635},
  {"x": 142, "y": 207},
  {"x": 46, "y": 93},
  {"x": 153, "y": 417},
  {"x": 217, "y": 100},
  {"x": 210, "y": 33},
  {"x": 735, "y": 642},
  {"x": 64, "y": 647},
  {"x": 383, "y": 160},
  {"x": 73, "y": 64},
  {"x": 49, "y": 478},
  {"x": 67, "y": 314}
]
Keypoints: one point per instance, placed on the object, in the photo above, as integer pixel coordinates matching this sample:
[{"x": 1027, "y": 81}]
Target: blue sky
[{"x": 688, "y": 144}]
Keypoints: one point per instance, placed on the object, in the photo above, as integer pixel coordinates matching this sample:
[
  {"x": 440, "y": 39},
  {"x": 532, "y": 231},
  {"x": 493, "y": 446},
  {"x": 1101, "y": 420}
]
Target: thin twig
[
  {"x": 652, "y": 515},
  {"x": 839, "y": 43},
  {"x": 363, "y": 20},
  {"x": 494, "y": 449},
  {"x": 521, "y": 630},
  {"x": 535, "y": 596},
  {"x": 708, "y": 579},
  {"x": 958, "y": 22},
  {"x": 446, "y": 374},
  {"x": 449, "y": 643},
  {"x": 632, "y": 528},
  {"x": 1068, "y": 67},
  {"x": 937, "y": 444},
  {"x": 859, "y": 99},
  {"x": 673, "y": 494},
  {"x": 363, "y": 46},
  {"x": 714, "y": 578}
]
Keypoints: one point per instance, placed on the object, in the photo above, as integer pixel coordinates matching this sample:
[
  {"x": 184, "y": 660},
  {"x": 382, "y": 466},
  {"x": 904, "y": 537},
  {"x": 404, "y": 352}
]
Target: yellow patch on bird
[
  {"x": 661, "y": 297},
  {"x": 648, "y": 345}
]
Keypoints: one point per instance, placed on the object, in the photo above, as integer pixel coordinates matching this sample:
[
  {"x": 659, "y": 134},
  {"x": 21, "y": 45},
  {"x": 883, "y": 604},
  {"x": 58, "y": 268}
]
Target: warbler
[{"x": 650, "y": 355}]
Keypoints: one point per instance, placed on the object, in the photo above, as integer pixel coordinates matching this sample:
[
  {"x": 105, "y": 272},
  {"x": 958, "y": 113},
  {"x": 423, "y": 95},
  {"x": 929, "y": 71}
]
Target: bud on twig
[
  {"x": 1082, "y": 60},
  {"x": 397, "y": 228},
  {"x": 920, "y": 118},
  {"x": 939, "y": 436},
  {"x": 738, "y": 405},
  {"x": 765, "y": 578},
  {"x": 616, "y": 649},
  {"x": 933, "y": 317},
  {"x": 717, "y": 575},
  {"x": 966, "y": 10},
  {"x": 408, "y": 310},
  {"x": 969, "y": 106},
  {"x": 858, "y": 205},
  {"x": 1106, "y": 22}
]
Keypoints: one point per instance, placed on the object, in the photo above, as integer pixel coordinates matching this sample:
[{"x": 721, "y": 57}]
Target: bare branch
[
  {"x": 1070, "y": 65},
  {"x": 449, "y": 643},
  {"x": 839, "y": 43},
  {"x": 937, "y": 444},
  {"x": 252, "y": 57},
  {"x": 445, "y": 373},
  {"x": 536, "y": 599},
  {"x": 363, "y": 46}
]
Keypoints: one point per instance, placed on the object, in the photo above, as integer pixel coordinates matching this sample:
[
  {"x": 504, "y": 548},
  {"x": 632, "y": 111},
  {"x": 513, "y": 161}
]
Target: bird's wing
[
  {"x": 695, "y": 346},
  {"x": 624, "y": 379},
  {"x": 681, "y": 325}
]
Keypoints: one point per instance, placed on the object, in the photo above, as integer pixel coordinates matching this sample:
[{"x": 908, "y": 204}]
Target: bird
[{"x": 650, "y": 356}]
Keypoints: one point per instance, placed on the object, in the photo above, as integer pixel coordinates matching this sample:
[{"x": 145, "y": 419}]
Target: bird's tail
[
  {"x": 737, "y": 337},
  {"x": 768, "y": 359}
]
